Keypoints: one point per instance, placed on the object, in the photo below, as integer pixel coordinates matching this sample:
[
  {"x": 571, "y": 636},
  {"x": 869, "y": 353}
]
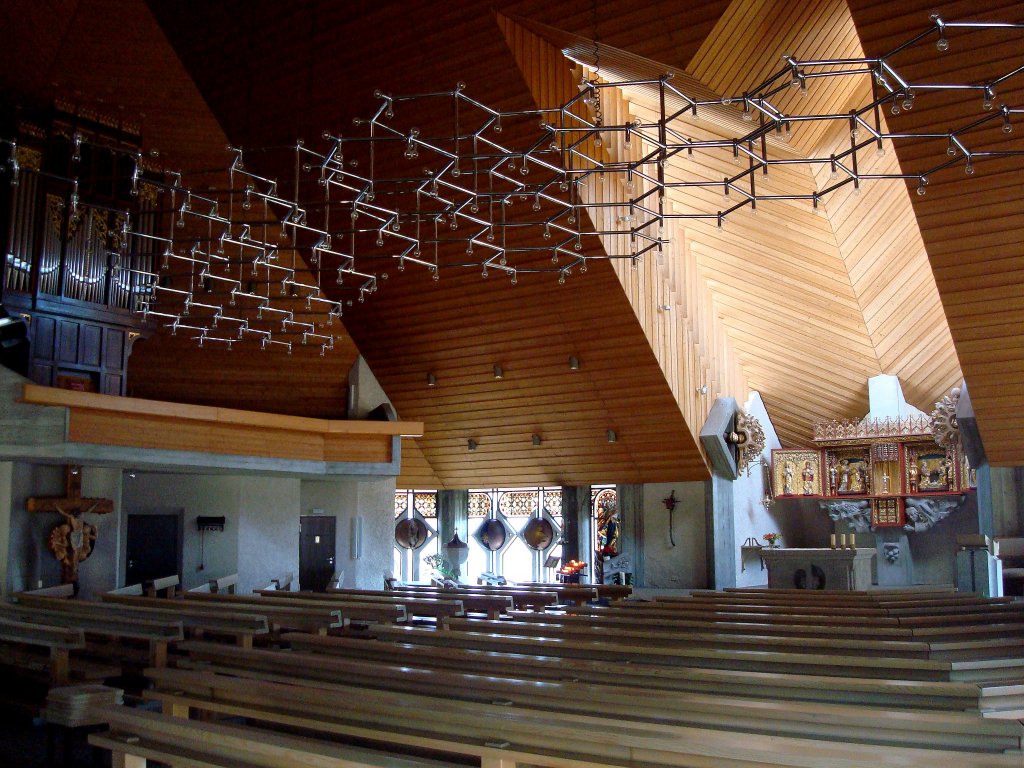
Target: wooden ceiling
[{"x": 799, "y": 307}]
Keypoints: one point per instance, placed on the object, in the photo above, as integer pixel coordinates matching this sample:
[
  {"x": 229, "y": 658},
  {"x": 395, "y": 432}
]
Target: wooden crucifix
[{"x": 71, "y": 542}]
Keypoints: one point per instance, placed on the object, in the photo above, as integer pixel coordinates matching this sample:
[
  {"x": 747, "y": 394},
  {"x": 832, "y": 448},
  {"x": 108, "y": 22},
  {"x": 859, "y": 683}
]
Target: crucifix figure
[{"x": 71, "y": 541}]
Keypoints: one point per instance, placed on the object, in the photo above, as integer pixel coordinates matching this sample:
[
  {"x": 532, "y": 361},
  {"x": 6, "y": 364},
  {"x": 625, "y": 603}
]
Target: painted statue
[{"x": 808, "y": 478}]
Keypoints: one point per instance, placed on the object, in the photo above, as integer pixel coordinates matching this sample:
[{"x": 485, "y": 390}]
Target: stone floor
[{"x": 23, "y": 745}]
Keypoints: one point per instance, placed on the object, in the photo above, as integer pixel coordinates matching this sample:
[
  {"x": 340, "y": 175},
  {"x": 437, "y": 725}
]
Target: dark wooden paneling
[
  {"x": 68, "y": 341},
  {"x": 91, "y": 345}
]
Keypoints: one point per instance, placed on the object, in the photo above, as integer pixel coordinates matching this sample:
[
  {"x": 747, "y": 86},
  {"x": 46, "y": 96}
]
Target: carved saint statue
[
  {"x": 885, "y": 482},
  {"x": 844, "y": 473},
  {"x": 832, "y": 478},
  {"x": 808, "y": 478},
  {"x": 862, "y": 478},
  {"x": 948, "y": 471},
  {"x": 912, "y": 475},
  {"x": 787, "y": 488}
]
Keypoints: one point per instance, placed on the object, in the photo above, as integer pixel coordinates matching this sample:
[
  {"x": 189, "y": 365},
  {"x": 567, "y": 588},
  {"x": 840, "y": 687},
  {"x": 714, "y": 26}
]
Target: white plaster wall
[
  {"x": 206, "y": 495},
  {"x": 681, "y": 566},
  {"x": 268, "y": 529},
  {"x": 371, "y": 500}
]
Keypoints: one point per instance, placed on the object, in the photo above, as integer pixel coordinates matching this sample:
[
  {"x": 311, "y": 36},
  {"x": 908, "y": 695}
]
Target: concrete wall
[
  {"x": 683, "y": 565},
  {"x": 196, "y": 495},
  {"x": 373, "y": 501},
  {"x": 6, "y": 480},
  {"x": 30, "y": 563},
  {"x": 751, "y": 519},
  {"x": 268, "y": 529},
  {"x": 98, "y": 574}
]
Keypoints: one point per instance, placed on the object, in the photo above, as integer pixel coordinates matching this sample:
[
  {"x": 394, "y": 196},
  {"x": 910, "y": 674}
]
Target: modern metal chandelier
[{"x": 501, "y": 193}]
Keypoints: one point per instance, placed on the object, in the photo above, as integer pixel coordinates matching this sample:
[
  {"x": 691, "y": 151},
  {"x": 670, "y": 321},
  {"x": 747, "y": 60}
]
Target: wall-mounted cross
[{"x": 71, "y": 542}]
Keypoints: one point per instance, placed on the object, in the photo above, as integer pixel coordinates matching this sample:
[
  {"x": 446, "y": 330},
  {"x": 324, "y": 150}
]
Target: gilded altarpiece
[{"x": 888, "y": 473}]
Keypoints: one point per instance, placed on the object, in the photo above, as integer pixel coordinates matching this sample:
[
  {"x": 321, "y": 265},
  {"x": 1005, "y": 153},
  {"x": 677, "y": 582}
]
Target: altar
[{"x": 822, "y": 568}]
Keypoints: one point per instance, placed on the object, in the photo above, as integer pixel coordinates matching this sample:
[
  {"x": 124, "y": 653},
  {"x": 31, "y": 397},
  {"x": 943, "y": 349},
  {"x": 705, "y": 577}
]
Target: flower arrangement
[
  {"x": 608, "y": 551},
  {"x": 772, "y": 539},
  {"x": 442, "y": 566}
]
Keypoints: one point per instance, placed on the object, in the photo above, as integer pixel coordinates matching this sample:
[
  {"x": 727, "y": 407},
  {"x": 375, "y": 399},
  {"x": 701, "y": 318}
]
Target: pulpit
[{"x": 818, "y": 568}]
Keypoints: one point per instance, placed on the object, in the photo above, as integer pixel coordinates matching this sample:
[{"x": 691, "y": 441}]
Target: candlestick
[
  {"x": 832, "y": 541},
  {"x": 842, "y": 540}
]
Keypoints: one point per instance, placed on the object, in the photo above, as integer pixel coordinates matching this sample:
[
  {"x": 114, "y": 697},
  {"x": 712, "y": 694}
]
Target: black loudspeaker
[
  {"x": 383, "y": 412},
  {"x": 14, "y": 344}
]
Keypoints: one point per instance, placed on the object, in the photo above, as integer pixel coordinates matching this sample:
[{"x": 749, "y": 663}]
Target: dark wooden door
[
  {"x": 316, "y": 551},
  {"x": 153, "y": 547}
]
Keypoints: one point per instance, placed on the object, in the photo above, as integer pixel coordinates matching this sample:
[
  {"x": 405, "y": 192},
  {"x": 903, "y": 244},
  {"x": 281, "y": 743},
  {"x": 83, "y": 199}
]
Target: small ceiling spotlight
[
  {"x": 131, "y": 473},
  {"x": 537, "y": 440},
  {"x": 612, "y": 437},
  {"x": 666, "y": 307},
  {"x": 702, "y": 389},
  {"x": 472, "y": 444},
  {"x": 431, "y": 380},
  {"x": 574, "y": 363},
  {"x": 498, "y": 373}
]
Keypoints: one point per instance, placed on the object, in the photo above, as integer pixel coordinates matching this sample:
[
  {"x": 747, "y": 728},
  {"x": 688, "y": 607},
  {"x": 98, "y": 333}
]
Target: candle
[
  {"x": 842, "y": 540},
  {"x": 853, "y": 539},
  {"x": 832, "y": 541}
]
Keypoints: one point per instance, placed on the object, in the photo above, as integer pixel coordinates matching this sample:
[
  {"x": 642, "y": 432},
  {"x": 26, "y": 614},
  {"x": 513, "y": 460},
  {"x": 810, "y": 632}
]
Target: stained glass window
[{"x": 408, "y": 563}]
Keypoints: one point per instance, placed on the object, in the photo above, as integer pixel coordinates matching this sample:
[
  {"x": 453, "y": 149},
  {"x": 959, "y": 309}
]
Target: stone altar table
[{"x": 818, "y": 568}]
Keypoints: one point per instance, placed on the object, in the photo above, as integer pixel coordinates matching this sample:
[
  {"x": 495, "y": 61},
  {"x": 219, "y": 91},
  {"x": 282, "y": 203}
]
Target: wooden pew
[
  {"x": 423, "y": 607},
  {"x": 515, "y": 734},
  {"x": 225, "y": 585},
  {"x": 59, "y": 642},
  {"x": 838, "y": 662},
  {"x": 313, "y": 615},
  {"x": 621, "y": 702},
  {"x": 522, "y": 600},
  {"x": 240, "y": 627},
  {"x": 166, "y": 586},
  {"x": 959, "y": 649},
  {"x": 302, "y": 618},
  {"x": 935, "y": 602},
  {"x": 891, "y": 629},
  {"x": 525, "y": 596},
  {"x": 491, "y": 605},
  {"x": 610, "y": 591},
  {"x": 1006, "y": 612},
  {"x": 157, "y": 634},
  {"x": 129, "y": 589},
  {"x": 60, "y": 590},
  {"x": 794, "y": 686},
  {"x": 137, "y": 735},
  {"x": 1011, "y": 551}
]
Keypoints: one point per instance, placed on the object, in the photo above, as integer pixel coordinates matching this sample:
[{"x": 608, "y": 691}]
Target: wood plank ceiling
[
  {"x": 973, "y": 229},
  {"x": 800, "y": 307}
]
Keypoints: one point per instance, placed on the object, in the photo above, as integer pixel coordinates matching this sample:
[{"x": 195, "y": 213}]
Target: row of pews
[
  {"x": 740, "y": 678},
  {"x": 76, "y": 640}
]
